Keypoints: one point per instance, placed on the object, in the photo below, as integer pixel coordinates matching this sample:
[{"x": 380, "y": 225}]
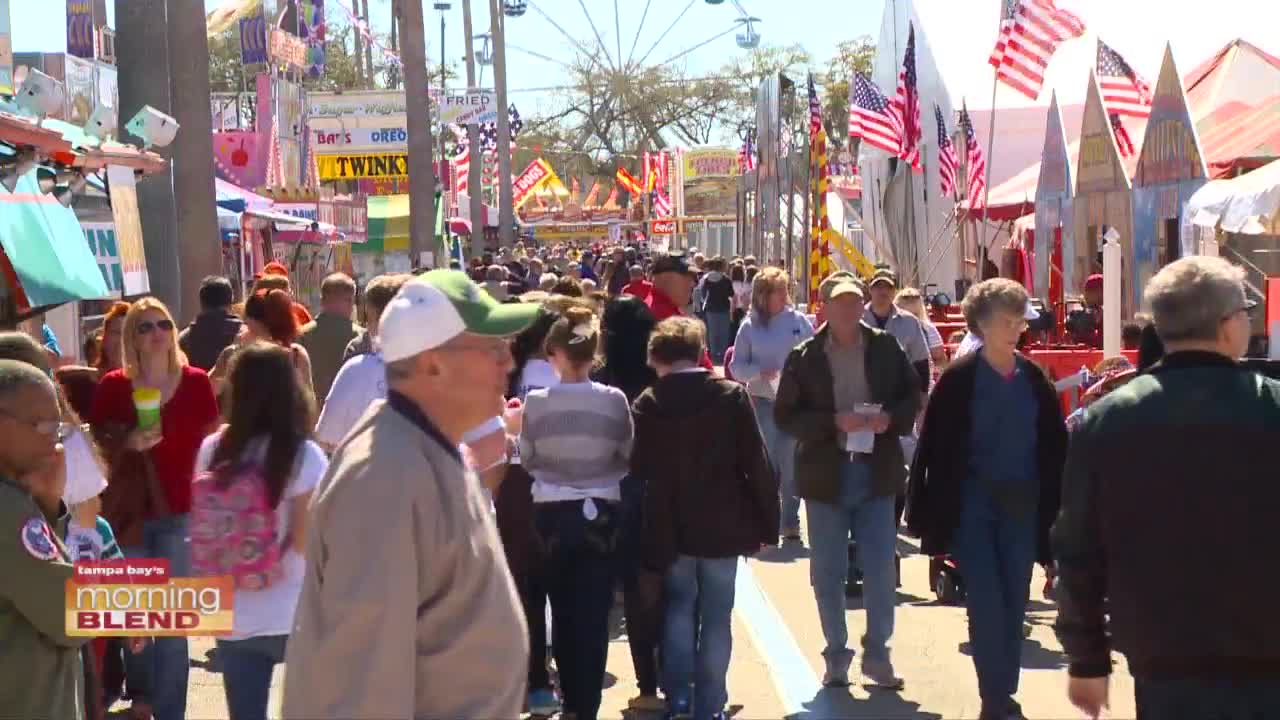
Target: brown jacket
[
  {"x": 805, "y": 409},
  {"x": 407, "y": 609},
  {"x": 709, "y": 491}
]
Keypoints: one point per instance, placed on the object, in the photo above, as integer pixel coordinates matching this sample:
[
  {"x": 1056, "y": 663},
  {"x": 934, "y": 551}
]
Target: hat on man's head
[
  {"x": 838, "y": 277},
  {"x": 845, "y": 287},
  {"x": 676, "y": 262},
  {"x": 883, "y": 276},
  {"x": 438, "y": 306},
  {"x": 1093, "y": 282}
]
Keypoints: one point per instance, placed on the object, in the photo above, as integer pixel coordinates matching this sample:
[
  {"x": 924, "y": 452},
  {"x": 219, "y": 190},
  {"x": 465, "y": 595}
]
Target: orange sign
[
  {"x": 535, "y": 176},
  {"x": 288, "y": 49},
  {"x": 662, "y": 227}
]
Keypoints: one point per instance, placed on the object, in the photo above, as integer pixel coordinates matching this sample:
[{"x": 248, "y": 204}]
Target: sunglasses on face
[{"x": 145, "y": 328}]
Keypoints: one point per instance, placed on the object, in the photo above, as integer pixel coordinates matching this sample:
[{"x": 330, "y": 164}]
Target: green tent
[{"x": 46, "y": 246}]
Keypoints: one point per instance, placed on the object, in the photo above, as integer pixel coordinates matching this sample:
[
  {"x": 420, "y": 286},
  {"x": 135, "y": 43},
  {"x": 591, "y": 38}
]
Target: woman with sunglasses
[{"x": 152, "y": 464}]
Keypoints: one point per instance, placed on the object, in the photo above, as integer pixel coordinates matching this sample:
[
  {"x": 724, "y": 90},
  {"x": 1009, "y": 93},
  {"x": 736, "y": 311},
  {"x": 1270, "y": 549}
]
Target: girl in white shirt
[{"x": 270, "y": 418}]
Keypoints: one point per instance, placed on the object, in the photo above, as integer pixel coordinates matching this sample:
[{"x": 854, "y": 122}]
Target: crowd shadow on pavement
[
  {"x": 1034, "y": 655},
  {"x": 880, "y": 705}
]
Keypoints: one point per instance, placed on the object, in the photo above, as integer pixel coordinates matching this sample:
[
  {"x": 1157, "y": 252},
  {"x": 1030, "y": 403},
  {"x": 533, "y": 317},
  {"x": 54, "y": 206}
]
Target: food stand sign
[
  {"x": 710, "y": 162},
  {"x": 470, "y": 108},
  {"x": 288, "y": 49},
  {"x": 662, "y": 227},
  {"x": 350, "y": 167}
]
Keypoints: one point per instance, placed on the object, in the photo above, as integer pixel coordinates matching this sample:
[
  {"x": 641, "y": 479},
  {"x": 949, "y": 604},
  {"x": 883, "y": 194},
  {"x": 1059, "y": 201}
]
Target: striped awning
[{"x": 1237, "y": 136}]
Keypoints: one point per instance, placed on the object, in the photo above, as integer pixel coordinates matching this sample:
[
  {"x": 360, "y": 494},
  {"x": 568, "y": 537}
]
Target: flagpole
[
  {"x": 924, "y": 196},
  {"x": 991, "y": 139}
]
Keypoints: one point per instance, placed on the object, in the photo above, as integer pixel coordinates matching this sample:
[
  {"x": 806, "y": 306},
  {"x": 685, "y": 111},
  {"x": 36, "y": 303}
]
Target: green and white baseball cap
[{"x": 438, "y": 306}]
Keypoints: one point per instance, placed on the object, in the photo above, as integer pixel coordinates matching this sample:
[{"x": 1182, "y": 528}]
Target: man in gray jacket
[{"x": 407, "y": 608}]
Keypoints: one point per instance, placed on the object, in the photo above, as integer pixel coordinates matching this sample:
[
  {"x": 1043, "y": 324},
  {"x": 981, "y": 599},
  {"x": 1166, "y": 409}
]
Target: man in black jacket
[
  {"x": 1169, "y": 514},
  {"x": 214, "y": 328}
]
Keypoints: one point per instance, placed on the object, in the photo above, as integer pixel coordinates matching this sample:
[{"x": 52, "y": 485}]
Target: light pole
[
  {"x": 506, "y": 213},
  {"x": 422, "y": 175},
  {"x": 478, "y": 216},
  {"x": 446, "y": 177}
]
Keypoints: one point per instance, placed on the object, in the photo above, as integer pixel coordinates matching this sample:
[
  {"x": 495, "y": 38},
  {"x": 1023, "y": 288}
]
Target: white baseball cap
[{"x": 439, "y": 305}]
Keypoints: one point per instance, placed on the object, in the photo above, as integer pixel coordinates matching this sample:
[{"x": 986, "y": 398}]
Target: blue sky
[{"x": 41, "y": 26}]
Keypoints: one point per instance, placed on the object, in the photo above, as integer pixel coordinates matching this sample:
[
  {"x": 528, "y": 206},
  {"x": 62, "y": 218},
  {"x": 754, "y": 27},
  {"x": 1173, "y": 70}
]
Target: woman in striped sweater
[{"x": 576, "y": 443}]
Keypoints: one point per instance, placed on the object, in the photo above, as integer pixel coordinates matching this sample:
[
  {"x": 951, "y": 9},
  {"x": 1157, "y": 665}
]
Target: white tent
[
  {"x": 1249, "y": 204},
  {"x": 953, "y": 41}
]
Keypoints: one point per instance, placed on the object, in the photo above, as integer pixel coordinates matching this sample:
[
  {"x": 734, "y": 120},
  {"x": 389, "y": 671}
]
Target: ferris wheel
[{"x": 614, "y": 60}]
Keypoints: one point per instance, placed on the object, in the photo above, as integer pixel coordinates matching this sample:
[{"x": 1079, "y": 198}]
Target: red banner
[{"x": 530, "y": 180}]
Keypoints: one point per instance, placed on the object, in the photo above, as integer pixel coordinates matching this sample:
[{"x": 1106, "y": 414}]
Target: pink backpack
[{"x": 233, "y": 527}]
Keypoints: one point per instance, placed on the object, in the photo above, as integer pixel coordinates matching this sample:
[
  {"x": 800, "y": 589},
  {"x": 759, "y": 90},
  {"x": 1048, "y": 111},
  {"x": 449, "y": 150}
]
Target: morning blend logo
[{"x": 127, "y": 598}]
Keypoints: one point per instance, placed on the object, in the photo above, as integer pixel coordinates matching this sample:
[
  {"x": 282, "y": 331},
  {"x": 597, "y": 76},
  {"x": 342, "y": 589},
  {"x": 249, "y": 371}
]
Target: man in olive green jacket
[
  {"x": 847, "y": 395},
  {"x": 41, "y": 675}
]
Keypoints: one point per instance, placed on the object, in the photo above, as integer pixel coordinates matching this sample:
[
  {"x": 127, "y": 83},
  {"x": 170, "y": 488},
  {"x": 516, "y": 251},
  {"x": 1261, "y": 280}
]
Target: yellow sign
[
  {"x": 350, "y": 167},
  {"x": 710, "y": 162}
]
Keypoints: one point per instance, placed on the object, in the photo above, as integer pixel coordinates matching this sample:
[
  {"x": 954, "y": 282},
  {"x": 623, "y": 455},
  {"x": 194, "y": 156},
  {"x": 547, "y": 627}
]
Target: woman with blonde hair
[
  {"x": 150, "y": 417},
  {"x": 767, "y": 334}
]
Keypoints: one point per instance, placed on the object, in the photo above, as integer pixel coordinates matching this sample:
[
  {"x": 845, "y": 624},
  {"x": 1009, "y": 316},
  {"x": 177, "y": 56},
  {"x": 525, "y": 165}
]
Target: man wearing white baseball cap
[{"x": 407, "y": 608}]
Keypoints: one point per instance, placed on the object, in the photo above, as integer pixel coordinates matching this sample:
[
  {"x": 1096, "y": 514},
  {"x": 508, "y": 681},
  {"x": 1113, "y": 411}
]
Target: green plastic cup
[{"x": 147, "y": 402}]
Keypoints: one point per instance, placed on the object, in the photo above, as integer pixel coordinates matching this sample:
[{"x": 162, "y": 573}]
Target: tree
[
  {"x": 227, "y": 74},
  {"x": 852, "y": 56},
  {"x": 747, "y": 72}
]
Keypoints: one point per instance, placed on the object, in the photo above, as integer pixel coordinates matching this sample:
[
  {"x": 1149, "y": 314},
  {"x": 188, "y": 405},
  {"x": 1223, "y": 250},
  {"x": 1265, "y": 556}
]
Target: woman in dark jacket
[
  {"x": 985, "y": 483},
  {"x": 710, "y": 498},
  {"x": 626, "y": 325}
]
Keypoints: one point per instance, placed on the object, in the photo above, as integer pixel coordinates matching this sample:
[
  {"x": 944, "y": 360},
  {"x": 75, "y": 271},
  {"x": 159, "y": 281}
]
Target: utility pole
[
  {"x": 359, "y": 54},
  {"x": 368, "y": 47},
  {"x": 422, "y": 175},
  {"x": 478, "y": 215},
  {"x": 393, "y": 79},
  {"x": 446, "y": 178},
  {"x": 506, "y": 213}
]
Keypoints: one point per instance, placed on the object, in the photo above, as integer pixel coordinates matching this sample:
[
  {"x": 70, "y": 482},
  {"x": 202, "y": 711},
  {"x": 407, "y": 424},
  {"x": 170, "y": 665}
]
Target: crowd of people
[{"x": 450, "y": 497}]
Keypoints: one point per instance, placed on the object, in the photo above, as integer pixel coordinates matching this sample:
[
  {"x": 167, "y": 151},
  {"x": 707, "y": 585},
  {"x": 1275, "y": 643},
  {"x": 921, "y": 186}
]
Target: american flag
[
  {"x": 1124, "y": 92},
  {"x": 461, "y": 161},
  {"x": 947, "y": 161},
  {"x": 747, "y": 153},
  {"x": 515, "y": 124},
  {"x": 872, "y": 118},
  {"x": 977, "y": 179},
  {"x": 815, "y": 109},
  {"x": 907, "y": 103},
  {"x": 664, "y": 170},
  {"x": 1029, "y": 36},
  {"x": 661, "y": 204}
]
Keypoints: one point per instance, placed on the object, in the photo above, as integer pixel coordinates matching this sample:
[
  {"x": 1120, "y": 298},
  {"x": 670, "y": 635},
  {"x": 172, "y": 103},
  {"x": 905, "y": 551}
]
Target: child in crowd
[{"x": 89, "y": 538}]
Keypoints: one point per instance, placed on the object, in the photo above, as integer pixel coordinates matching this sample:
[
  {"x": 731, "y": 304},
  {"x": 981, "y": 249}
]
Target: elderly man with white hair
[
  {"x": 407, "y": 607},
  {"x": 1173, "y": 476}
]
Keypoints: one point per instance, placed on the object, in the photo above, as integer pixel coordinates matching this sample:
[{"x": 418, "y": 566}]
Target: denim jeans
[
  {"x": 163, "y": 666},
  {"x": 718, "y": 334},
  {"x": 578, "y": 574},
  {"x": 782, "y": 454},
  {"x": 871, "y": 519},
  {"x": 698, "y": 640},
  {"x": 246, "y": 673},
  {"x": 1192, "y": 698},
  {"x": 996, "y": 553}
]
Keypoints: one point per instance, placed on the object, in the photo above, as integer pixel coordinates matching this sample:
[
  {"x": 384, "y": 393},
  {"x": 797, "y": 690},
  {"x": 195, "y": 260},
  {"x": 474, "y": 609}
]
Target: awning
[
  {"x": 1249, "y": 204},
  {"x": 237, "y": 199},
  {"x": 46, "y": 247},
  {"x": 293, "y": 221}
]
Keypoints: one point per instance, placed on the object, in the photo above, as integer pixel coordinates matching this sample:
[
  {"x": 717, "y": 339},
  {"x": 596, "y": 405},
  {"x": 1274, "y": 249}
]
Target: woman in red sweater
[{"x": 152, "y": 470}]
